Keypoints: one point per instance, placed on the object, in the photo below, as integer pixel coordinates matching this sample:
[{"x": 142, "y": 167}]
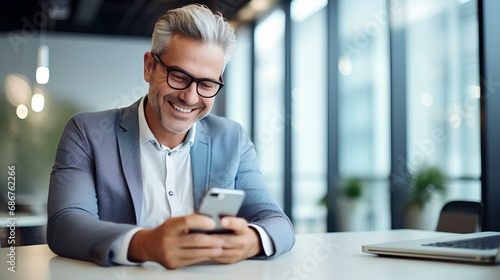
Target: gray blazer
[{"x": 96, "y": 193}]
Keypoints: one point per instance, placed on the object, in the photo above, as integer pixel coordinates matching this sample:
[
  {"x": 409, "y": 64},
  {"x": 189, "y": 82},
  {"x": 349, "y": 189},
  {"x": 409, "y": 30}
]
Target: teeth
[{"x": 184, "y": 110}]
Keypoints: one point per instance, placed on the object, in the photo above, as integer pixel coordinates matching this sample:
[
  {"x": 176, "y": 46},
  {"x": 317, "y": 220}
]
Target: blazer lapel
[
  {"x": 200, "y": 161},
  {"x": 129, "y": 147}
]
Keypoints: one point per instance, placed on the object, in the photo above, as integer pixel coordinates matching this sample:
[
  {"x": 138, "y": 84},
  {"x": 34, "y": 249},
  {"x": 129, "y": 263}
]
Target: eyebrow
[{"x": 177, "y": 68}]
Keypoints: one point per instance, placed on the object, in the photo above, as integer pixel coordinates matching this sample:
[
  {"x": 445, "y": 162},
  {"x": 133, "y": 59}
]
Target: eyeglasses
[{"x": 179, "y": 79}]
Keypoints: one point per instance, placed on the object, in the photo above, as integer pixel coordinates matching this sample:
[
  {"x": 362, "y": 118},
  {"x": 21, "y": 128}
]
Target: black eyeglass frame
[{"x": 193, "y": 79}]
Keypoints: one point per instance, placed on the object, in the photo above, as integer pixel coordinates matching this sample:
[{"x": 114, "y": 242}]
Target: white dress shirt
[
  {"x": 166, "y": 175},
  {"x": 167, "y": 186}
]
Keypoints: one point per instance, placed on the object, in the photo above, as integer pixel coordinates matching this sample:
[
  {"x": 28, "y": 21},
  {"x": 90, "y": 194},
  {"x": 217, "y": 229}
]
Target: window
[
  {"x": 364, "y": 107},
  {"x": 269, "y": 96},
  {"x": 238, "y": 86},
  {"x": 443, "y": 94},
  {"x": 309, "y": 114}
]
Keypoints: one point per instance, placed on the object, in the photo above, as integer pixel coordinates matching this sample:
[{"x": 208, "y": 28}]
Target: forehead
[{"x": 199, "y": 58}]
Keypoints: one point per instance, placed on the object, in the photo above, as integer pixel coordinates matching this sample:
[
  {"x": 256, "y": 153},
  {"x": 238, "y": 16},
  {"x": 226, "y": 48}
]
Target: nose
[{"x": 190, "y": 95}]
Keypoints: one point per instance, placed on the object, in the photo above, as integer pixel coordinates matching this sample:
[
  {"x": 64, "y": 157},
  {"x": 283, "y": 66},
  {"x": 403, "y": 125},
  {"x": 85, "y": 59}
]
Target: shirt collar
[{"x": 146, "y": 135}]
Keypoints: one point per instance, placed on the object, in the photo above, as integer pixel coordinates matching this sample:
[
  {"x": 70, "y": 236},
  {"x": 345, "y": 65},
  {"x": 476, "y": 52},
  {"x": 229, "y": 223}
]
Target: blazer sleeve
[
  {"x": 260, "y": 207},
  {"x": 235, "y": 164},
  {"x": 74, "y": 229}
]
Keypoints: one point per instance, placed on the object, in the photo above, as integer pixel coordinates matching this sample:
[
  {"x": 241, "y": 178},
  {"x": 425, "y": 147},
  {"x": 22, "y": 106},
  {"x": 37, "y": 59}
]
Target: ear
[{"x": 148, "y": 66}]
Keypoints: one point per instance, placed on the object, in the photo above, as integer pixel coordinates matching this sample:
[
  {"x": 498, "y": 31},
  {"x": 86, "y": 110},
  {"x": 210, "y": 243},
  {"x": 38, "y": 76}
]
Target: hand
[
  {"x": 244, "y": 243},
  {"x": 170, "y": 244}
]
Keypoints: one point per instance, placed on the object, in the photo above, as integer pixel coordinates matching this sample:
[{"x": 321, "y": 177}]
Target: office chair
[{"x": 460, "y": 217}]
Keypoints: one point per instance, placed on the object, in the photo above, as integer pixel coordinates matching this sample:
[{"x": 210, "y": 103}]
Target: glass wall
[
  {"x": 270, "y": 118},
  {"x": 442, "y": 106},
  {"x": 237, "y": 92},
  {"x": 443, "y": 95},
  {"x": 309, "y": 114},
  {"x": 364, "y": 113}
]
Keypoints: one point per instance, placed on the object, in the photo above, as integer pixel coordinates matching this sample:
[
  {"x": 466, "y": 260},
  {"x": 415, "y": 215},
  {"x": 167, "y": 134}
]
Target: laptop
[{"x": 479, "y": 247}]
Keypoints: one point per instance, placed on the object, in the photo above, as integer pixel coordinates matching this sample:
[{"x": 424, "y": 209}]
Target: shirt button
[{"x": 170, "y": 193}]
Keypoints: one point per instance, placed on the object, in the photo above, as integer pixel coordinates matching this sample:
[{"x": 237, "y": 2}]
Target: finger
[
  {"x": 238, "y": 225},
  {"x": 230, "y": 256},
  {"x": 181, "y": 225},
  {"x": 199, "y": 240},
  {"x": 189, "y": 257},
  {"x": 201, "y": 254},
  {"x": 240, "y": 246}
]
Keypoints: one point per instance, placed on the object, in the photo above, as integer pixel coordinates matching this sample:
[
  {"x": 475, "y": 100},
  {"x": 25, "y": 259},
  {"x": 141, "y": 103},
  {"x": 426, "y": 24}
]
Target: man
[{"x": 125, "y": 182}]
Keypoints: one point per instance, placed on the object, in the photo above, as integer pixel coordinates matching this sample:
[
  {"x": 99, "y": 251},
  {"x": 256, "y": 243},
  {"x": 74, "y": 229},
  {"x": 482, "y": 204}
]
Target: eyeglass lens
[{"x": 180, "y": 80}]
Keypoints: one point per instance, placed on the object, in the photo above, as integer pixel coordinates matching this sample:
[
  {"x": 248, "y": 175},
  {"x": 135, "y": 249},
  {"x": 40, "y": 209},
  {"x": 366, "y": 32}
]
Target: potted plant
[
  {"x": 351, "y": 208},
  {"x": 426, "y": 186},
  {"x": 353, "y": 189}
]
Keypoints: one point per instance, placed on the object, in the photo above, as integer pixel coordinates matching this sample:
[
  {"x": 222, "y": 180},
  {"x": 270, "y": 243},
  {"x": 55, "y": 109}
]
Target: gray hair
[{"x": 197, "y": 22}]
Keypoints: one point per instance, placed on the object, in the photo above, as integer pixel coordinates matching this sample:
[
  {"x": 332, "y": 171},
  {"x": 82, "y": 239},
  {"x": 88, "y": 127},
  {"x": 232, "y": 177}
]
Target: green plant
[
  {"x": 426, "y": 181},
  {"x": 353, "y": 188}
]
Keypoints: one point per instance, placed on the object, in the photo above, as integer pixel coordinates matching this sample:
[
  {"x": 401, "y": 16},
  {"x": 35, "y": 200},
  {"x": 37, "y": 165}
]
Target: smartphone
[{"x": 218, "y": 203}]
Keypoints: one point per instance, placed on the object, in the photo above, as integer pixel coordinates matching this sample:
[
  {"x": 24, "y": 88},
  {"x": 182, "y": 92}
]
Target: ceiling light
[
  {"x": 22, "y": 111},
  {"x": 42, "y": 72},
  {"x": 38, "y": 100}
]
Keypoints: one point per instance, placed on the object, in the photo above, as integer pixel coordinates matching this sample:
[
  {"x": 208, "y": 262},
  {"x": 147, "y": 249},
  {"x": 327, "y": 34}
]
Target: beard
[{"x": 170, "y": 123}]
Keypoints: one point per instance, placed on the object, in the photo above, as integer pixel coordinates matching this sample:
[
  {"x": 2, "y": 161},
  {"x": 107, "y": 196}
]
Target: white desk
[
  {"x": 30, "y": 228},
  {"x": 315, "y": 257}
]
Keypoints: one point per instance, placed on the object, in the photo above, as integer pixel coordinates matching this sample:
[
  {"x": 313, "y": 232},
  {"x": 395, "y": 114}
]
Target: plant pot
[
  {"x": 425, "y": 217},
  {"x": 352, "y": 215}
]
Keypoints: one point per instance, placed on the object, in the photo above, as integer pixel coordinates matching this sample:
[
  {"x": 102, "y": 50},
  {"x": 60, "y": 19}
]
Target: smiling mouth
[{"x": 180, "y": 109}]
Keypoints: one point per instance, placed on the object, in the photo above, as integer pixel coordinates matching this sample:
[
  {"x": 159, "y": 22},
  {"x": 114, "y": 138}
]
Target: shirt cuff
[
  {"x": 267, "y": 243},
  {"x": 119, "y": 248}
]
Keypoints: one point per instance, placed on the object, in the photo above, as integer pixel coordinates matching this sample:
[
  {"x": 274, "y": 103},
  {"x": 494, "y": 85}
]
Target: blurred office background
[{"x": 345, "y": 100}]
